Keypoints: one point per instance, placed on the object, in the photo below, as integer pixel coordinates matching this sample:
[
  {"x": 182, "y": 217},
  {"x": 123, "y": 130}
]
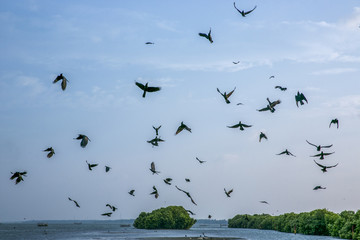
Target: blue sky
[{"x": 311, "y": 47}]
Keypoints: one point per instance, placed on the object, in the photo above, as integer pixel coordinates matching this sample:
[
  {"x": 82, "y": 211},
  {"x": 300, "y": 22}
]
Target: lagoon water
[{"x": 119, "y": 229}]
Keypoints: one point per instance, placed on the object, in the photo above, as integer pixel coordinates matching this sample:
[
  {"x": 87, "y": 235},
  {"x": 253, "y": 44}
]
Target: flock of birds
[{"x": 145, "y": 88}]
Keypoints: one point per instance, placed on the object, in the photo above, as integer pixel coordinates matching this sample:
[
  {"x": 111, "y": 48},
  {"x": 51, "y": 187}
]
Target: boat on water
[{"x": 42, "y": 224}]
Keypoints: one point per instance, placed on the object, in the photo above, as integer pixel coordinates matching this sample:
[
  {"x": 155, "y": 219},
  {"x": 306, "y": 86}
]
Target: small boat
[{"x": 42, "y": 225}]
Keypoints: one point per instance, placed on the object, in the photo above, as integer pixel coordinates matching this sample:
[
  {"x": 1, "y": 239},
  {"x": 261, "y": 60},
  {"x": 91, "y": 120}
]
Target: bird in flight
[
  {"x": 321, "y": 155},
  {"x": 242, "y": 12},
  {"x": 190, "y": 212},
  {"x": 131, "y": 192},
  {"x": 318, "y": 147},
  {"x": 200, "y": 161},
  {"x": 286, "y": 152},
  {"x": 63, "y": 81},
  {"x": 76, "y": 203},
  {"x": 209, "y": 217},
  {"x": 155, "y": 192},
  {"x": 323, "y": 168},
  {"x": 207, "y": 36},
  {"x": 236, "y": 62},
  {"x": 334, "y": 121},
  {"x": 270, "y": 106},
  {"x": 261, "y": 136},
  {"x": 187, "y": 179},
  {"x": 152, "y": 168},
  {"x": 182, "y": 127},
  {"x": 84, "y": 140},
  {"x": 265, "y": 202},
  {"x": 300, "y": 97},
  {"x": 271, "y": 77},
  {"x": 107, "y": 214},
  {"x": 146, "y": 88},
  {"x": 187, "y": 194},
  {"x": 107, "y": 168},
  {"x": 281, "y": 88},
  {"x": 18, "y": 176},
  {"x": 226, "y": 95},
  {"x": 228, "y": 192},
  {"x": 168, "y": 181},
  {"x": 113, "y": 208},
  {"x": 157, "y": 129},
  {"x": 240, "y": 125},
  {"x": 51, "y": 152},
  {"x": 91, "y": 165},
  {"x": 148, "y": 43},
  {"x": 319, "y": 187},
  {"x": 155, "y": 141}
]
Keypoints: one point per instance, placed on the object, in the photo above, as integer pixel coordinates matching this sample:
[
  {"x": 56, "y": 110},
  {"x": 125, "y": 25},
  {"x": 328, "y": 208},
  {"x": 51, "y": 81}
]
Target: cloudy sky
[{"x": 309, "y": 46}]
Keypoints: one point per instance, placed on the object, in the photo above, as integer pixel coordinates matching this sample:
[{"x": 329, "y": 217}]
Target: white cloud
[
  {"x": 334, "y": 71},
  {"x": 33, "y": 84},
  {"x": 346, "y": 105}
]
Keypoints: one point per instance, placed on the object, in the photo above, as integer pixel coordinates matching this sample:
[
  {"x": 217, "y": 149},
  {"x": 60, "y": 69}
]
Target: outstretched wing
[
  {"x": 311, "y": 143},
  {"x": 263, "y": 109},
  {"x": 237, "y": 9},
  {"x": 328, "y": 146},
  {"x": 244, "y": 125},
  {"x": 322, "y": 166},
  {"x": 140, "y": 85},
  {"x": 250, "y": 10},
  {"x": 229, "y": 94},
  {"x": 153, "y": 89},
  {"x": 273, "y": 104},
  {"x": 203, "y": 35},
  {"x": 333, "y": 166},
  {"x": 234, "y": 126},
  {"x": 303, "y": 97}
]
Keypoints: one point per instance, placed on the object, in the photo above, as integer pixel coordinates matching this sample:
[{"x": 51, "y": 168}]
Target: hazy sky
[{"x": 309, "y": 46}]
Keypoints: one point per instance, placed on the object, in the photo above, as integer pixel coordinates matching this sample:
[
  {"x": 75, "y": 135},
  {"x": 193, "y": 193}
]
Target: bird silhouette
[
  {"x": 84, "y": 140},
  {"x": 152, "y": 168},
  {"x": 131, "y": 192},
  {"x": 51, "y": 152},
  {"x": 318, "y": 147},
  {"x": 146, "y": 88},
  {"x": 240, "y": 125},
  {"x": 281, "y": 88},
  {"x": 265, "y": 202},
  {"x": 155, "y": 141},
  {"x": 271, "y": 77},
  {"x": 187, "y": 180},
  {"x": 334, "y": 121},
  {"x": 182, "y": 127},
  {"x": 200, "y": 161},
  {"x": 226, "y": 95},
  {"x": 155, "y": 192},
  {"x": 323, "y": 168},
  {"x": 149, "y": 43},
  {"x": 76, "y": 203},
  {"x": 18, "y": 176},
  {"x": 228, "y": 192},
  {"x": 191, "y": 213},
  {"x": 113, "y": 208},
  {"x": 63, "y": 81},
  {"x": 261, "y": 136},
  {"x": 287, "y": 153},
  {"x": 187, "y": 194},
  {"x": 319, "y": 187},
  {"x": 236, "y": 62},
  {"x": 207, "y": 36},
  {"x": 242, "y": 12},
  {"x": 322, "y": 154},
  {"x": 107, "y": 168},
  {"x": 270, "y": 106},
  {"x": 157, "y": 129},
  {"x": 91, "y": 165},
  {"x": 300, "y": 97},
  {"x": 209, "y": 216},
  {"x": 108, "y": 214},
  {"x": 168, "y": 181}
]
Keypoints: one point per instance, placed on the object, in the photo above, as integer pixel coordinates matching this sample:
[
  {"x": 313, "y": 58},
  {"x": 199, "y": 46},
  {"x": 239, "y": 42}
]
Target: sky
[{"x": 308, "y": 46}]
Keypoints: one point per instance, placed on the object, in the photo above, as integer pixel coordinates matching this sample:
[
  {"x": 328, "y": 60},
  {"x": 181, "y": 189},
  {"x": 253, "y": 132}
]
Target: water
[{"x": 111, "y": 230}]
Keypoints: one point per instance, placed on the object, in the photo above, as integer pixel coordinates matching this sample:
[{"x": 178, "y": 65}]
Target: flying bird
[
  {"x": 113, "y": 208},
  {"x": 107, "y": 214},
  {"x": 84, "y": 140},
  {"x": 226, "y": 95},
  {"x": 334, "y": 121},
  {"x": 190, "y": 212},
  {"x": 168, "y": 181},
  {"x": 236, "y": 62},
  {"x": 270, "y": 106},
  {"x": 149, "y": 43},
  {"x": 242, "y": 12},
  {"x": 322, "y": 154},
  {"x": 187, "y": 194},
  {"x": 18, "y": 176},
  {"x": 157, "y": 129},
  {"x": 271, "y": 77},
  {"x": 323, "y": 168},
  {"x": 91, "y": 165},
  {"x": 265, "y": 202},
  {"x": 240, "y": 125},
  {"x": 262, "y": 135},
  {"x": 63, "y": 81},
  {"x": 207, "y": 36},
  {"x": 155, "y": 192},
  {"x": 155, "y": 141},
  {"x": 51, "y": 152},
  {"x": 131, "y": 192},
  {"x": 239, "y": 103},
  {"x": 228, "y": 192},
  {"x": 76, "y": 203},
  {"x": 319, "y": 187},
  {"x": 146, "y": 88},
  {"x": 152, "y": 168},
  {"x": 187, "y": 180},
  {"x": 182, "y": 127},
  {"x": 107, "y": 168},
  {"x": 281, "y": 88},
  {"x": 200, "y": 160},
  {"x": 209, "y": 217},
  {"x": 318, "y": 147},
  {"x": 300, "y": 97},
  {"x": 287, "y": 153}
]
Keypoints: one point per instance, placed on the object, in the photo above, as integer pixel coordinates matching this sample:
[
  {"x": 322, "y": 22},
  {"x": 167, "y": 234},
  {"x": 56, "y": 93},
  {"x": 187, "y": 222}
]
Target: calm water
[{"x": 110, "y": 230}]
